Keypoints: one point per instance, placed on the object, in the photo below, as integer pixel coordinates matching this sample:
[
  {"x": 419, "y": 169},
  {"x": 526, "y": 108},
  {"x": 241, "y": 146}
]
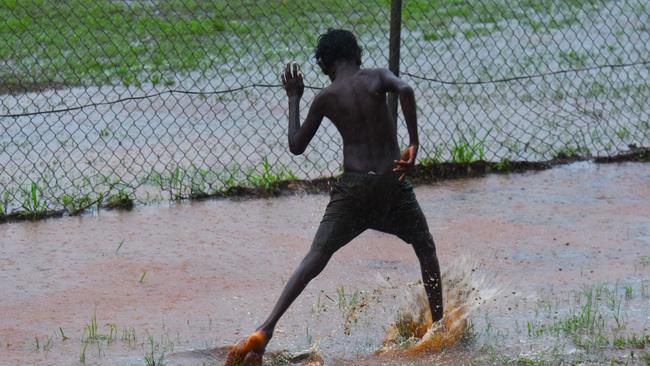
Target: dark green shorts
[{"x": 365, "y": 201}]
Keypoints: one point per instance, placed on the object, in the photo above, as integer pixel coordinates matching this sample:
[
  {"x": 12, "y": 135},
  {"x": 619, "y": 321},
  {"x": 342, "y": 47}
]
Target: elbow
[
  {"x": 406, "y": 90},
  {"x": 295, "y": 149}
]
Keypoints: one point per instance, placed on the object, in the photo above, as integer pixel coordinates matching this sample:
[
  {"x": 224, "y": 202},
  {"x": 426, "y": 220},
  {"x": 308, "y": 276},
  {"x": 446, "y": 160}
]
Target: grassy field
[
  {"x": 85, "y": 42},
  {"x": 96, "y": 42}
]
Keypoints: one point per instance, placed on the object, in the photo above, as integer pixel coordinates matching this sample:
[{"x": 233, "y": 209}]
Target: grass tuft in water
[
  {"x": 34, "y": 206},
  {"x": 120, "y": 200}
]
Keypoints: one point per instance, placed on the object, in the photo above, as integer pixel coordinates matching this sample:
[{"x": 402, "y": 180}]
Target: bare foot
[{"x": 248, "y": 352}]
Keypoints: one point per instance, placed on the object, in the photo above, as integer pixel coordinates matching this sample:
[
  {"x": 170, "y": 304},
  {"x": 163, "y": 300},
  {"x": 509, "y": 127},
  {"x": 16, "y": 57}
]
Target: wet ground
[{"x": 204, "y": 274}]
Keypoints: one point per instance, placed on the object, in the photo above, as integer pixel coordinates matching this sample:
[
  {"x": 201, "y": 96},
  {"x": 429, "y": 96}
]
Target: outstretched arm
[
  {"x": 300, "y": 136},
  {"x": 393, "y": 84}
]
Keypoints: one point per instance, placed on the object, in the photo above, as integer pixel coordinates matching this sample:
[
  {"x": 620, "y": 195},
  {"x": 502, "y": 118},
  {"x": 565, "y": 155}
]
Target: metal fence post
[{"x": 393, "y": 50}]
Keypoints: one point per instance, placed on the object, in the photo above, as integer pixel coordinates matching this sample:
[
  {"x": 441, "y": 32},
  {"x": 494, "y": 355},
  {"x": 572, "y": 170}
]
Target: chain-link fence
[{"x": 104, "y": 101}]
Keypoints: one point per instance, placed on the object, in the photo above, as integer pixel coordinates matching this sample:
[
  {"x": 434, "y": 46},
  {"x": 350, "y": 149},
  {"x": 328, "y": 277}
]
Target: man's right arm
[{"x": 300, "y": 136}]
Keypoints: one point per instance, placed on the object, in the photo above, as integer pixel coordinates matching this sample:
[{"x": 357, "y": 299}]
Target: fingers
[
  {"x": 411, "y": 160},
  {"x": 292, "y": 71},
  {"x": 287, "y": 72},
  {"x": 403, "y": 163},
  {"x": 402, "y": 167}
]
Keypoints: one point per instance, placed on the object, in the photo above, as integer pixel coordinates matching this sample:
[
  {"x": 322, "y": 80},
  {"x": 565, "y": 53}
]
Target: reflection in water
[{"x": 412, "y": 330}]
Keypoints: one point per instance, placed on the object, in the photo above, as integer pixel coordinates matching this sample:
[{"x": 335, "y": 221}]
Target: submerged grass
[
  {"x": 149, "y": 42},
  {"x": 120, "y": 200},
  {"x": 592, "y": 328},
  {"x": 138, "y": 42}
]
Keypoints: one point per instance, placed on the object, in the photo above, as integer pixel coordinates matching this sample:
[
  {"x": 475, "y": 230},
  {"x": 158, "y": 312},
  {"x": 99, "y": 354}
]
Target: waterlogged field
[
  {"x": 553, "y": 268},
  {"x": 68, "y": 54}
]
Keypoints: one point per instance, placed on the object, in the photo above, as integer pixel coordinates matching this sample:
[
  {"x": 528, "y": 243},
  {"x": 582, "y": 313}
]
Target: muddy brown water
[{"x": 204, "y": 274}]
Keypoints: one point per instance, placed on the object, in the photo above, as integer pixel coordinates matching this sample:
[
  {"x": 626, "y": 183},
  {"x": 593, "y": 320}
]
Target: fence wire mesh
[{"x": 103, "y": 101}]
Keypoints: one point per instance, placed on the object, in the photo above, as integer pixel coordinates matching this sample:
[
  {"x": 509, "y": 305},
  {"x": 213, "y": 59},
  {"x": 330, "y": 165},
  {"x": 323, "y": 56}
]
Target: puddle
[{"x": 167, "y": 280}]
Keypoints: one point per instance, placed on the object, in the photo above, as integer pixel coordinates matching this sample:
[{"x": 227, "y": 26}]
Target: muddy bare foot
[{"x": 248, "y": 352}]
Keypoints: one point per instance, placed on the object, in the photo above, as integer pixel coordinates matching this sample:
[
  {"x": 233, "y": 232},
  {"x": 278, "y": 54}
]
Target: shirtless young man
[{"x": 372, "y": 192}]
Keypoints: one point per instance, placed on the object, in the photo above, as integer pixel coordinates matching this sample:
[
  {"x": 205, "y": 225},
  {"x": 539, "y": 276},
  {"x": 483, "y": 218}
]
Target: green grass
[
  {"x": 119, "y": 246},
  {"x": 567, "y": 152},
  {"x": 523, "y": 360},
  {"x": 34, "y": 206},
  {"x": 82, "y": 355},
  {"x": 503, "y": 164},
  {"x": 467, "y": 150},
  {"x": 109, "y": 192},
  {"x": 445, "y": 18},
  {"x": 194, "y": 182},
  {"x": 109, "y": 40},
  {"x": 76, "y": 204},
  {"x": 623, "y": 132},
  {"x": 594, "y": 321},
  {"x": 142, "y": 276},
  {"x": 150, "y": 357},
  {"x": 81, "y": 42},
  {"x": 120, "y": 200},
  {"x": 128, "y": 335},
  {"x": 264, "y": 177},
  {"x": 134, "y": 43},
  {"x": 63, "y": 336},
  {"x": 589, "y": 326},
  {"x": 632, "y": 341},
  {"x": 644, "y": 260}
]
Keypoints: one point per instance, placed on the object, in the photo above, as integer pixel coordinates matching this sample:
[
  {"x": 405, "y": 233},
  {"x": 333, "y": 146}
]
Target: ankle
[
  {"x": 267, "y": 333},
  {"x": 436, "y": 317}
]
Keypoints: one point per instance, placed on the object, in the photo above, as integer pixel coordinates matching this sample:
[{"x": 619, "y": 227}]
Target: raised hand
[
  {"x": 406, "y": 161},
  {"x": 292, "y": 80}
]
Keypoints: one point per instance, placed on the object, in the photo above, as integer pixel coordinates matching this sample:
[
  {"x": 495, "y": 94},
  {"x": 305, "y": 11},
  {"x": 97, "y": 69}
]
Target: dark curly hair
[{"x": 337, "y": 44}]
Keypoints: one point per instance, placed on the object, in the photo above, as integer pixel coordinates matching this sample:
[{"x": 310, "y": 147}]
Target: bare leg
[
  {"x": 329, "y": 238},
  {"x": 426, "y": 252},
  {"x": 313, "y": 263}
]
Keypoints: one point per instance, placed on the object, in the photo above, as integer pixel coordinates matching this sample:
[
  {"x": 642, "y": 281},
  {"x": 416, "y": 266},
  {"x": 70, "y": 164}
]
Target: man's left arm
[{"x": 392, "y": 83}]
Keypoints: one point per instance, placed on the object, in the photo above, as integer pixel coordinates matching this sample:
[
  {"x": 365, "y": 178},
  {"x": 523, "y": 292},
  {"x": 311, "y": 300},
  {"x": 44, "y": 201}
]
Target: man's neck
[{"x": 344, "y": 70}]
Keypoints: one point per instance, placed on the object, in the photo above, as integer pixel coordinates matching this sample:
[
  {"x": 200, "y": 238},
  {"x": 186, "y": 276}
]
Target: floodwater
[{"x": 198, "y": 275}]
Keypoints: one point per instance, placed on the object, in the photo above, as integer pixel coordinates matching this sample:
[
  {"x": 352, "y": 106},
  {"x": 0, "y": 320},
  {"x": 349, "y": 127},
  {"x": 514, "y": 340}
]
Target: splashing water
[{"x": 412, "y": 331}]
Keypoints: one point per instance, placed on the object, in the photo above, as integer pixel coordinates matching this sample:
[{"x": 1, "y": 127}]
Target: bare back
[{"x": 357, "y": 107}]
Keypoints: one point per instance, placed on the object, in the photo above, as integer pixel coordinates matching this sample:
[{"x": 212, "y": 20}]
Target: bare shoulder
[
  {"x": 374, "y": 71},
  {"x": 371, "y": 74},
  {"x": 323, "y": 98},
  {"x": 374, "y": 79},
  {"x": 387, "y": 80},
  {"x": 325, "y": 94},
  {"x": 377, "y": 73}
]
